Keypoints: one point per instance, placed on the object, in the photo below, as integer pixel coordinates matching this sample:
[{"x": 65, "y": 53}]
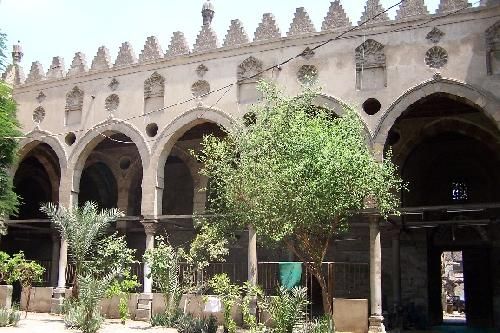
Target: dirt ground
[{"x": 47, "y": 323}]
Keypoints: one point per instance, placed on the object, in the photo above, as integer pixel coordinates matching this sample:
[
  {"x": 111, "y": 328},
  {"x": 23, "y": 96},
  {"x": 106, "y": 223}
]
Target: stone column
[
  {"x": 60, "y": 291},
  {"x": 145, "y": 299},
  {"x": 252, "y": 256},
  {"x": 54, "y": 264},
  {"x": 396, "y": 269},
  {"x": 252, "y": 265},
  {"x": 376, "y": 318},
  {"x": 67, "y": 196}
]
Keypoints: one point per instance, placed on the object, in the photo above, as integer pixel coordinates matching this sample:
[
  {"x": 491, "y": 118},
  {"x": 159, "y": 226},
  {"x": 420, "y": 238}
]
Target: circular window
[
  {"x": 125, "y": 162},
  {"x": 70, "y": 138},
  {"x": 371, "y": 106},
  {"x": 152, "y": 130}
]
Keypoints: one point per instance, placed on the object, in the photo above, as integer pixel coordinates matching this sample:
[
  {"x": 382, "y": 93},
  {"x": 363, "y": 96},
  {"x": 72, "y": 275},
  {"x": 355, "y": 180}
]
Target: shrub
[
  {"x": 9, "y": 317},
  {"x": 287, "y": 308},
  {"x": 185, "y": 323},
  {"x": 229, "y": 295}
]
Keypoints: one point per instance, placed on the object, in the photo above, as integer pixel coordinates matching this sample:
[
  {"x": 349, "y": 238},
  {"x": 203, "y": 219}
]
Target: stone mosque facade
[{"x": 427, "y": 85}]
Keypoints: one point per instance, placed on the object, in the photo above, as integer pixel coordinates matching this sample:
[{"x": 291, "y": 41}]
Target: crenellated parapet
[{"x": 336, "y": 19}]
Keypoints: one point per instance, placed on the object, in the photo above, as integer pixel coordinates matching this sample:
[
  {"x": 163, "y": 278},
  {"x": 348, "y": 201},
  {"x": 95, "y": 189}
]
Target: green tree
[
  {"x": 295, "y": 173},
  {"x": 83, "y": 228},
  {"x": 8, "y": 145}
]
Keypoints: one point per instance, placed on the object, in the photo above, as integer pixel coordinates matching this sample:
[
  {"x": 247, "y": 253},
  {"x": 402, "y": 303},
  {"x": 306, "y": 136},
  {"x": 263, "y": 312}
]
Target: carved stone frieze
[
  {"x": 301, "y": 23},
  {"x": 36, "y": 73},
  {"x": 371, "y": 14},
  {"x": 336, "y": 17},
  {"x": 38, "y": 115},
  {"x": 178, "y": 45},
  {"x": 447, "y": 6},
  {"x": 436, "y": 57},
  {"x": 200, "y": 88},
  {"x": 267, "y": 29},
  {"x": 74, "y": 100},
  {"x": 201, "y": 70},
  {"x": 40, "y": 97},
  {"x": 152, "y": 50},
  {"x": 102, "y": 60},
  {"x": 236, "y": 34},
  {"x": 206, "y": 40},
  {"x": 112, "y": 102},
  {"x": 250, "y": 69},
  {"x": 126, "y": 55},
  {"x": 78, "y": 65},
  {"x": 154, "y": 86},
  {"x": 308, "y": 53},
  {"x": 113, "y": 85},
  {"x": 56, "y": 69},
  {"x": 307, "y": 74},
  {"x": 410, "y": 8},
  {"x": 435, "y": 35},
  {"x": 370, "y": 54}
]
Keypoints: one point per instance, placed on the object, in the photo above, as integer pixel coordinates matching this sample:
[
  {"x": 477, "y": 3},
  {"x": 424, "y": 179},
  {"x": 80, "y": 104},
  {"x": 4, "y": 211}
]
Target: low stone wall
[
  {"x": 109, "y": 306},
  {"x": 6, "y": 296},
  {"x": 40, "y": 299},
  {"x": 196, "y": 305},
  {"x": 350, "y": 315}
]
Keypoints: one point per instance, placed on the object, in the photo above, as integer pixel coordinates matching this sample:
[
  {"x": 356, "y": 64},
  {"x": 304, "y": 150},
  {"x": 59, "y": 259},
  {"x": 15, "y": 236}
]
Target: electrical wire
[{"x": 226, "y": 88}]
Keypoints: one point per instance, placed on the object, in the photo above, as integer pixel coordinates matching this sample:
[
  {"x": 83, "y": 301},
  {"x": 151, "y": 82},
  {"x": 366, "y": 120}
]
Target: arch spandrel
[
  {"x": 480, "y": 99},
  {"x": 90, "y": 140},
  {"x": 175, "y": 129},
  {"x": 33, "y": 138}
]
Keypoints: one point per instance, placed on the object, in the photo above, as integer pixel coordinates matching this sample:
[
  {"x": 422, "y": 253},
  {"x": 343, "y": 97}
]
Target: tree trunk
[{"x": 317, "y": 272}]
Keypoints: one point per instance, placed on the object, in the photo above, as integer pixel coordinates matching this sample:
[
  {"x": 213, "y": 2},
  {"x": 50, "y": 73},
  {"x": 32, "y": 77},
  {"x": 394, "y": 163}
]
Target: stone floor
[{"x": 42, "y": 322}]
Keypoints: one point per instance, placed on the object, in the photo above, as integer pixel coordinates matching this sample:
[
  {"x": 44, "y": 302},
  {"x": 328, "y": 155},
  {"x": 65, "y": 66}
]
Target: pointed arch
[
  {"x": 36, "y": 137},
  {"x": 470, "y": 94}
]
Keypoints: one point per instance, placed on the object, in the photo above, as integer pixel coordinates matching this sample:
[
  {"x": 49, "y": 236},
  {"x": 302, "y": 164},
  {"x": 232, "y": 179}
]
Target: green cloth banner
[{"x": 290, "y": 274}]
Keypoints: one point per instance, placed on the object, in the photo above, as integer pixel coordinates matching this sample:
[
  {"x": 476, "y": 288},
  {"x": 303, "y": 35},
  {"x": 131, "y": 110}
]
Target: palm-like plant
[{"x": 82, "y": 227}]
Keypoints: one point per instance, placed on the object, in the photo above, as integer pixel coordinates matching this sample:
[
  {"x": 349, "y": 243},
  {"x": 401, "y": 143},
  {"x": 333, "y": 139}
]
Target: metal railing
[{"x": 344, "y": 279}]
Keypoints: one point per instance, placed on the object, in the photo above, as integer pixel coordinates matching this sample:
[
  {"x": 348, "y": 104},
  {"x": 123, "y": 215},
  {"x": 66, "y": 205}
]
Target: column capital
[{"x": 150, "y": 226}]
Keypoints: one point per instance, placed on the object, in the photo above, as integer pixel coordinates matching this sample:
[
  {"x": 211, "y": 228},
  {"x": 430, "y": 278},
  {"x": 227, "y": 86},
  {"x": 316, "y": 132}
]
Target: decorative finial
[
  {"x": 17, "y": 53},
  {"x": 207, "y": 12}
]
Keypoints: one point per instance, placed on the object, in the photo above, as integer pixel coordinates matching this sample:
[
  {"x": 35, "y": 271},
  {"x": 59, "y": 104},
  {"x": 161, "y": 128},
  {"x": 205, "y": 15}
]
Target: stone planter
[
  {"x": 40, "y": 299},
  {"x": 350, "y": 315},
  {"x": 109, "y": 306},
  {"x": 6, "y": 296},
  {"x": 198, "y": 307}
]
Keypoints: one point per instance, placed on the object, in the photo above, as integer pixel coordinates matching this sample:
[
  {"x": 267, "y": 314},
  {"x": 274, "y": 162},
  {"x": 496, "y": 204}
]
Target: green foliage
[
  {"x": 185, "y": 323},
  {"x": 252, "y": 293},
  {"x": 321, "y": 325},
  {"x": 295, "y": 174},
  {"x": 102, "y": 263},
  {"x": 229, "y": 294},
  {"x": 287, "y": 308},
  {"x": 3, "y": 46},
  {"x": 208, "y": 247},
  {"x": 17, "y": 268},
  {"x": 9, "y": 129},
  {"x": 82, "y": 227},
  {"x": 9, "y": 317},
  {"x": 164, "y": 262},
  {"x": 121, "y": 288}
]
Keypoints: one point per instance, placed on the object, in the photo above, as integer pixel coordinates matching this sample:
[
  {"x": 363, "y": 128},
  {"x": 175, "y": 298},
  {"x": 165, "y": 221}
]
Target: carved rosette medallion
[{"x": 436, "y": 57}]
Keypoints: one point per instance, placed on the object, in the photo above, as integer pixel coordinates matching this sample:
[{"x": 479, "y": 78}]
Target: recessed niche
[
  {"x": 152, "y": 130},
  {"x": 371, "y": 106},
  {"x": 125, "y": 162},
  {"x": 70, "y": 138}
]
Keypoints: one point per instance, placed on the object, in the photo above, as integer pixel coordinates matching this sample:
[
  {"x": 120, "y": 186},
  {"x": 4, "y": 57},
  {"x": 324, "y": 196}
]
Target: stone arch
[
  {"x": 470, "y": 94},
  {"x": 460, "y": 126},
  {"x": 36, "y": 137},
  {"x": 338, "y": 106},
  {"x": 94, "y": 136},
  {"x": 176, "y": 129}
]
